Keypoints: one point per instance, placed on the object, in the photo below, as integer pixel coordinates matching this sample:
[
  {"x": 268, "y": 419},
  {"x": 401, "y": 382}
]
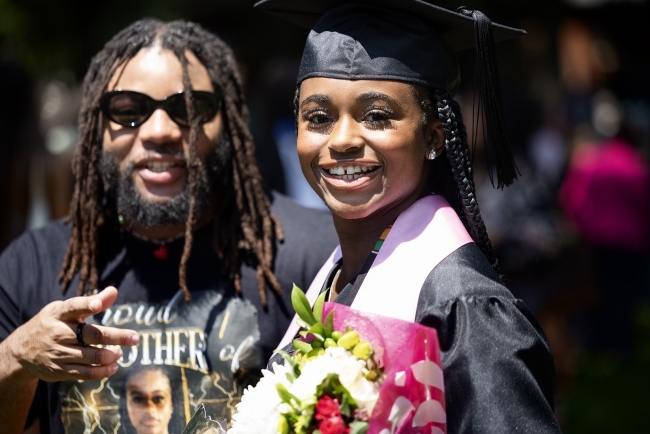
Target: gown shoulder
[{"x": 498, "y": 367}]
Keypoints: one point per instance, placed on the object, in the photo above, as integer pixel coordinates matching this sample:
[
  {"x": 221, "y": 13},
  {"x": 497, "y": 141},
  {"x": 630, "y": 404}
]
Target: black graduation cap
[{"x": 405, "y": 40}]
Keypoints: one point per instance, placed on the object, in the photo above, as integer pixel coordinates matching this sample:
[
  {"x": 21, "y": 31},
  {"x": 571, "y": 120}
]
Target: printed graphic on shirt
[{"x": 203, "y": 353}]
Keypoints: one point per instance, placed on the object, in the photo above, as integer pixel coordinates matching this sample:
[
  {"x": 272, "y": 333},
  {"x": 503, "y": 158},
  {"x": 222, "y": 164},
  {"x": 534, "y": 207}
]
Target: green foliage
[
  {"x": 329, "y": 324},
  {"x": 301, "y": 346},
  {"x": 301, "y": 306},
  {"x": 48, "y": 37},
  {"x": 610, "y": 394},
  {"x": 332, "y": 386},
  {"x": 318, "y": 307},
  {"x": 283, "y": 425},
  {"x": 358, "y": 427},
  {"x": 286, "y": 396},
  {"x": 311, "y": 321}
]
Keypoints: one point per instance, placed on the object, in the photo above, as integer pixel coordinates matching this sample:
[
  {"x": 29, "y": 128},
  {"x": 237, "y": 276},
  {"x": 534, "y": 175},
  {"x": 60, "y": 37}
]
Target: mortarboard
[{"x": 405, "y": 40}]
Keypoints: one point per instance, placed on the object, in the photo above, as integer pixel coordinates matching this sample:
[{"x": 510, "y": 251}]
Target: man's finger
[
  {"x": 86, "y": 355},
  {"x": 80, "y": 307},
  {"x": 92, "y": 334},
  {"x": 87, "y": 372},
  {"x": 107, "y": 297}
]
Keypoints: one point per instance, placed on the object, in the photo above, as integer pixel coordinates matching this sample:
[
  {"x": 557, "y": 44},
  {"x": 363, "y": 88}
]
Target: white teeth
[
  {"x": 159, "y": 166},
  {"x": 350, "y": 172}
]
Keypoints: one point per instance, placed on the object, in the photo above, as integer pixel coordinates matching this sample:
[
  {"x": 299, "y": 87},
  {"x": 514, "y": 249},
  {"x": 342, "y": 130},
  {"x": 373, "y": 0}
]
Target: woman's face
[
  {"x": 362, "y": 145},
  {"x": 149, "y": 402}
]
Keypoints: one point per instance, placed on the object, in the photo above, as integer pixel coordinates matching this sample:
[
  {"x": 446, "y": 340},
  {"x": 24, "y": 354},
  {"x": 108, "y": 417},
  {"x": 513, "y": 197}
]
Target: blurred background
[{"x": 572, "y": 235}]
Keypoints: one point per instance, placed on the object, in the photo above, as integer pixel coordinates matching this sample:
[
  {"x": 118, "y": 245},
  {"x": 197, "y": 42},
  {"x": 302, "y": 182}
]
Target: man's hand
[{"x": 46, "y": 346}]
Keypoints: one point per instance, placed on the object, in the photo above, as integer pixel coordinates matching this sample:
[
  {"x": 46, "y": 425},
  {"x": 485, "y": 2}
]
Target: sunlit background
[{"x": 572, "y": 235}]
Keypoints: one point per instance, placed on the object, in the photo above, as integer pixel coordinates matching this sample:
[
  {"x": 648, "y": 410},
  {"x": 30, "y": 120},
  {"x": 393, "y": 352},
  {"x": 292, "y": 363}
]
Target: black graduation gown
[{"x": 498, "y": 369}]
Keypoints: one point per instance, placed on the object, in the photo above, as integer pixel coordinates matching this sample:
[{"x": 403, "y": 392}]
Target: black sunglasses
[{"x": 132, "y": 109}]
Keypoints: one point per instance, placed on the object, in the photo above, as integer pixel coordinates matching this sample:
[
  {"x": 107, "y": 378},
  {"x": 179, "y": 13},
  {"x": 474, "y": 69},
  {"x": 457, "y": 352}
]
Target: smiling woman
[
  {"x": 373, "y": 125},
  {"x": 382, "y": 142}
]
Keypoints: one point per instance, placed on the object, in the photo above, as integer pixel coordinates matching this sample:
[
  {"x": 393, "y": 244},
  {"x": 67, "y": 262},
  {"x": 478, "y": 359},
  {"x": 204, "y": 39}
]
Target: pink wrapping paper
[{"x": 412, "y": 397}]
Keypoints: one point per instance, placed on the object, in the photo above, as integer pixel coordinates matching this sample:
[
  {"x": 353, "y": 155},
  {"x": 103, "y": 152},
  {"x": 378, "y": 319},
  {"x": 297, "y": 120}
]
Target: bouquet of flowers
[{"x": 351, "y": 372}]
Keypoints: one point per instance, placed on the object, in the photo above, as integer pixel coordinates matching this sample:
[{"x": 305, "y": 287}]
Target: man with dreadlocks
[{"x": 167, "y": 195}]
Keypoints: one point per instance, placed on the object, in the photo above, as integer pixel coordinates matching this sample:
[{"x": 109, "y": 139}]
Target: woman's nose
[
  {"x": 346, "y": 136},
  {"x": 160, "y": 129}
]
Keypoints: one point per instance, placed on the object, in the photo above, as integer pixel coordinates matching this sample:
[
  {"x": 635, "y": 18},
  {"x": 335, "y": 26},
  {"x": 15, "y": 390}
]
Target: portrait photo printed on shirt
[{"x": 203, "y": 353}]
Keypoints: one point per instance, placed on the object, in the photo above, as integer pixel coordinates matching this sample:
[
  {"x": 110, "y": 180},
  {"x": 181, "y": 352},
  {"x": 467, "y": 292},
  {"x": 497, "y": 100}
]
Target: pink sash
[{"x": 421, "y": 237}]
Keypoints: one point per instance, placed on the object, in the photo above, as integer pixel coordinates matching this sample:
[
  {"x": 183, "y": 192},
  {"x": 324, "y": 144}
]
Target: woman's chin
[{"x": 350, "y": 210}]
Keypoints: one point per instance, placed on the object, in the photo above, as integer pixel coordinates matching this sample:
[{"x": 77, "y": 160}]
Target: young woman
[{"x": 382, "y": 142}]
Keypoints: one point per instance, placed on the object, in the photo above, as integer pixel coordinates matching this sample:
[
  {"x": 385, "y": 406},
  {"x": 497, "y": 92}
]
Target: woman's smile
[{"x": 349, "y": 175}]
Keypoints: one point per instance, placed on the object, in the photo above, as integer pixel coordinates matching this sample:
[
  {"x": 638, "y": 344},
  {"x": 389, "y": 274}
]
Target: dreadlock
[
  {"x": 243, "y": 224},
  {"x": 451, "y": 172}
]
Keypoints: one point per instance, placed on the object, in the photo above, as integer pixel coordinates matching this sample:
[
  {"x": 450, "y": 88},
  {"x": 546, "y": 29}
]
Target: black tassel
[{"x": 490, "y": 104}]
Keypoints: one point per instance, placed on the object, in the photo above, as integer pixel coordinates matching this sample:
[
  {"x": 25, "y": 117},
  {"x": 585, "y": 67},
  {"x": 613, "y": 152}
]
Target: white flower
[
  {"x": 339, "y": 361},
  {"x": 257, "y": 412}
]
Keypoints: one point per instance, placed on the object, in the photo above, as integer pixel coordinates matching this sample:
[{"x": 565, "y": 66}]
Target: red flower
[
  {"x": 326, "y": 408},
  {"x": 333, "y": 425}
]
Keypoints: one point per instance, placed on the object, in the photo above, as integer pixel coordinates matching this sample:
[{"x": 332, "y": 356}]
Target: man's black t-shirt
[{"x": 206, "y": 352}]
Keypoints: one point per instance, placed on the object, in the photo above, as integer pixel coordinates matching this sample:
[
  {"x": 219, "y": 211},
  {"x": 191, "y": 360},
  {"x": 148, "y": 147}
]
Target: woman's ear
[{"x": 435, "y": 138}]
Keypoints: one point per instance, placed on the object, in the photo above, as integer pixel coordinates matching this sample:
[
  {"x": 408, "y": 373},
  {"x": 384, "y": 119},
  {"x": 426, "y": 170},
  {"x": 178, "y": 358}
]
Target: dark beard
[{"x": 130, "y": 204}]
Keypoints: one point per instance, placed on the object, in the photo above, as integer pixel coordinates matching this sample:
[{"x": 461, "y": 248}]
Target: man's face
[
  {"x": 152, "y": 158},
  {"x": 149, "y": 402}
]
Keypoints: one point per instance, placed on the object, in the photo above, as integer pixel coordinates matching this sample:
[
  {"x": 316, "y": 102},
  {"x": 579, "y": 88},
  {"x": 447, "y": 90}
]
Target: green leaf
[
  {"x": 302, "y": 324},
  {"x": 303, "y": 421},
  {"x": 318, "y": 306},
  {"x": 358, "y": 427},
  {"x": 286, "y": 396},
  {"x": 301, "y": 346},
  {"x": 329, "y": 323},
  {"x": 318, "y": 330},
  {"x": 344, "y": 407},
  {"x": 301, "y": 305}
]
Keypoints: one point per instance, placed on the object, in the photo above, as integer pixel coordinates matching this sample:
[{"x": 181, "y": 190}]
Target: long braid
[
  {"x": 242, "y": 218},
  {"x": 86, "y": 210},
  {"x": 457, "y": 151},
  {"x": 194, "y": 166}
]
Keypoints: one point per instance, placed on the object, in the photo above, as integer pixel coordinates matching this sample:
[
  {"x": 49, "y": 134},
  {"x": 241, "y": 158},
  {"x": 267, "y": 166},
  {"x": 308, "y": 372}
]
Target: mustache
[
  {"x": 165, "y": 149},
  {"x": 161, "y": 151}
]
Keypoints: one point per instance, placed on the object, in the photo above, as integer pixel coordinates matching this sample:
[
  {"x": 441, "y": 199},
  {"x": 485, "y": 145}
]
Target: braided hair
[
  {"x": 451, "y": 172},
  {"x": 456, "y": 161},
  {"x": 242, "y": 220}
]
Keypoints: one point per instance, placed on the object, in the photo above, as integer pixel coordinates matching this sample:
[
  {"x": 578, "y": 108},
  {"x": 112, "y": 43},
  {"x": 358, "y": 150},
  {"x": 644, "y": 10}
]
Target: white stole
[{"x": 422, "y": 236}]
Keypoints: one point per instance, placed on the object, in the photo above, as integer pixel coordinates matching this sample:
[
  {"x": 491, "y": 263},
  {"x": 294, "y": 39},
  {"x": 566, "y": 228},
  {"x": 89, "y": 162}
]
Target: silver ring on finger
[{"x": 80, "y": 338}]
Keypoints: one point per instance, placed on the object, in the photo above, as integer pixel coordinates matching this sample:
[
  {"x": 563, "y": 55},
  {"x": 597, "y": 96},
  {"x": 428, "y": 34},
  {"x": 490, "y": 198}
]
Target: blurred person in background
[
  {"x": 605, "y": 195},
  {"x": 167, "y": 195}
]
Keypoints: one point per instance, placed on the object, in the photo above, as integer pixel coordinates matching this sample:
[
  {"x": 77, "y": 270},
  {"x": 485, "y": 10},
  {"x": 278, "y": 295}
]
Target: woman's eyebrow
[
  {"x": 369, "y": 96},
  {"x": 318, "y": 97}
]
